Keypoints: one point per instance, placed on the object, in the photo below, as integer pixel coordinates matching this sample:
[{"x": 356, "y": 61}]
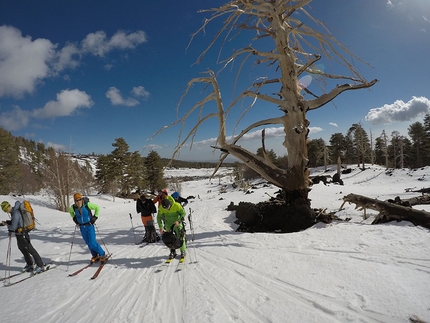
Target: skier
[
  {"x": 146, "y": 208},
  {"x": 181, "y": 200},
  {"x": 15, "y": 224},
  {"x": 82, "y": 216},
  {"x": 170, "y": 218}
]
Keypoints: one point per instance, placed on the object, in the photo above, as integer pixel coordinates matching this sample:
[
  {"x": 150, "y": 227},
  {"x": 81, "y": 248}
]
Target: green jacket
[
  {"x": 166, "y": 218},
  {"x": 84, "y": 215}
]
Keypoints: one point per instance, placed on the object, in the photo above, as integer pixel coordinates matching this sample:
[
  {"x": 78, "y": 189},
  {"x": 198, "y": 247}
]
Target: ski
[
  {"x": 32, "y": 274},
  {"x": 96, "y": 274},
  {"x": 11, "y": 276},
  {"x": 180, "y": 265},
  {"x": 80, "y": 270},
  {"x": 164, "y": 265}
]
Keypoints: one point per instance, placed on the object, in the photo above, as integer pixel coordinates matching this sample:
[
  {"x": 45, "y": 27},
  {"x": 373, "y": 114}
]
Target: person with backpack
[
  {"x": 16, "y": 225},
  {"x": 146, "y": 208},
  {"x": 84, "y": 218},
  {"x": 181, "y": 200},
  {"x": 170, "y": 219}
]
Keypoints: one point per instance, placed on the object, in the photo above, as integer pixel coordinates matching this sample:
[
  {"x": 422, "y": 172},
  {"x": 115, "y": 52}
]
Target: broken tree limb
[{"x": 389, "y": 211}]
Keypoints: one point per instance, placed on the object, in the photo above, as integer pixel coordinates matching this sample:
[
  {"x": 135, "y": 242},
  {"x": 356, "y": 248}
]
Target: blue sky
[{"x": 78, "y": 74}]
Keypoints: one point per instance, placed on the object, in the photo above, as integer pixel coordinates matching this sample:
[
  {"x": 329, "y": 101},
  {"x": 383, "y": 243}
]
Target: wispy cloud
[
  {"x": 270, "y": 133},
  {"x": 14, "y": 119},
  {"x": 399, "y": 111},
  {"x": 140, "y": 91},
  {"x": 98, "y": 43},
  {"x": 57, "y": 147},
  {"x": 115, "y": 97}
]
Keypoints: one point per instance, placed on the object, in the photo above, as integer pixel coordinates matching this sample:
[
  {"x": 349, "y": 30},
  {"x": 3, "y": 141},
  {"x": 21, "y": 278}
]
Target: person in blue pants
[{"x": 84, "y": 218}]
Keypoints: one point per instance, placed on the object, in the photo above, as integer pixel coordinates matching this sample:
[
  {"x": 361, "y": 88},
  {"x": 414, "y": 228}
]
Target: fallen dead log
[
  {"x": 422, "y": 199},
  {"x": 389, "y": 211},
  {"x": 423, "y": 190}
]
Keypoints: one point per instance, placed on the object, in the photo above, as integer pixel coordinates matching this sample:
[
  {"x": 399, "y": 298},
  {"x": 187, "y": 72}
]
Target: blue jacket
[{"x": 83, "y": 216}]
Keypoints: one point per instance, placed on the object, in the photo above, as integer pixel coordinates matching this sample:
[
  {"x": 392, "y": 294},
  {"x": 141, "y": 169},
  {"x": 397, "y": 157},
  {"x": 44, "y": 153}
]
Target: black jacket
[{"x": 145, "y": 207}]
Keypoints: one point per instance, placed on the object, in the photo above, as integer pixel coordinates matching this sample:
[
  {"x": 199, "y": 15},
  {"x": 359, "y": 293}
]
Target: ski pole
[
  {"x": 134, "y": 233},
  {"x": 8, "y": 257},
  {"x": 191, "y": 224},
  {"x": 71, "y": 246},
  {"x": 192, "y": 233},
  {"x": 104, "y": 244}
]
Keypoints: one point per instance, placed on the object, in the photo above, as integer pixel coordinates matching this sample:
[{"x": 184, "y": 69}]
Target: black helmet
[{"x": 166, "y": 203}]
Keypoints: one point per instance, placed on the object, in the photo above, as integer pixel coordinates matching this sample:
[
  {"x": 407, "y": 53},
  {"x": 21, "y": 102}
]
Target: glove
[
  {"x": 75, "y": 220},
  {"x": 10, "y": 233},
  {"x": 93, "y": 219}
]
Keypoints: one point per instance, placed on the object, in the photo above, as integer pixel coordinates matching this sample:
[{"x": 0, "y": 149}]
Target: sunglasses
[{"x": 78, "y": 200}]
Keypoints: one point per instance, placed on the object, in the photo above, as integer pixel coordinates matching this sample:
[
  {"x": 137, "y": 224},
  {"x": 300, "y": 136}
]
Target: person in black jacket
[{"x": 146, "y": 208}]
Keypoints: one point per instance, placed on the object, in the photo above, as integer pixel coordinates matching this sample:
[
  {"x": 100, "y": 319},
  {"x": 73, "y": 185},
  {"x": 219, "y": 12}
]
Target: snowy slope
[{"x": 341, "y": 272}]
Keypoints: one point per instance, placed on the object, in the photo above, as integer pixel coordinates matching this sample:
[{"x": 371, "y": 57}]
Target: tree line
[
  {"x": 357, "y": 147},
  {"x": 28, "y": 167}
]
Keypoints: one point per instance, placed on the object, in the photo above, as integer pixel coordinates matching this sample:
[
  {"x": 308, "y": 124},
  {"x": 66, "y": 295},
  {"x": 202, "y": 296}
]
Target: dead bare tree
[{"x": 296, "y": 49}]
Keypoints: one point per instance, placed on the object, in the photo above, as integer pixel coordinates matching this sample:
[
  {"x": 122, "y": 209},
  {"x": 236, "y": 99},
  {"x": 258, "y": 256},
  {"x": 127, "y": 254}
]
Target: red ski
[{"x": 96, "y": 274}]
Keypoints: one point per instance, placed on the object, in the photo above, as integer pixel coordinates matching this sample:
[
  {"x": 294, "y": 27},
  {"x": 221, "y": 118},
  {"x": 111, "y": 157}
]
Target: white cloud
[
  {"x": 333, "y": 124},
  {"x": 67, "y": 102},
  {"x": 313, "y": 130},
  {"x": 115, "y": 97},
  {"x": 399, "y": 111},
  {"x": 23, "y": 62}
]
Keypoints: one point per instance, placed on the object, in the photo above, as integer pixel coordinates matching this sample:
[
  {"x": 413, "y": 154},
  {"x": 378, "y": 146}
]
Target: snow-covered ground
[{"x": 342, "y": 272}]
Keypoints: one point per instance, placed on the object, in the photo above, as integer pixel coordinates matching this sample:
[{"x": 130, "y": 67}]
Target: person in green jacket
[{"x": 170, "y": 217}]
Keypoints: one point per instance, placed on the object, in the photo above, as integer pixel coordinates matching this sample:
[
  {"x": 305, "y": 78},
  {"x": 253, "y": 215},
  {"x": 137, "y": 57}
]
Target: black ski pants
[{"x": 27, "y": 249}]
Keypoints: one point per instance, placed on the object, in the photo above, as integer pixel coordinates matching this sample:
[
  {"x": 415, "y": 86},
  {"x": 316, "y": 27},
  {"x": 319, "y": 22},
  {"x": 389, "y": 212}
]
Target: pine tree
[
  {"x": 136, "y": 172},
  {"x": 9, "y": 162},
  {"x": 154, "y": 172}
]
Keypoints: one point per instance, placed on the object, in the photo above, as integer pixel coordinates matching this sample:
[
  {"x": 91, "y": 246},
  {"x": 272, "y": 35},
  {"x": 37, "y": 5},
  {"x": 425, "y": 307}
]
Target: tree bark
[{"x": 390, "y": 211}]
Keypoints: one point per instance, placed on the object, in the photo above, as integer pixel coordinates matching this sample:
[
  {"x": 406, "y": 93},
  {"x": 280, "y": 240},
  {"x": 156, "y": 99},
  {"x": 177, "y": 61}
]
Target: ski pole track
[
  {"x": 310, "y": 299},
  {"x": 130, "y": 308},
  {"x": 234, "y": 309},
  {"x": 168, "y": 297},
  {"x": 263, "y": 294}
]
